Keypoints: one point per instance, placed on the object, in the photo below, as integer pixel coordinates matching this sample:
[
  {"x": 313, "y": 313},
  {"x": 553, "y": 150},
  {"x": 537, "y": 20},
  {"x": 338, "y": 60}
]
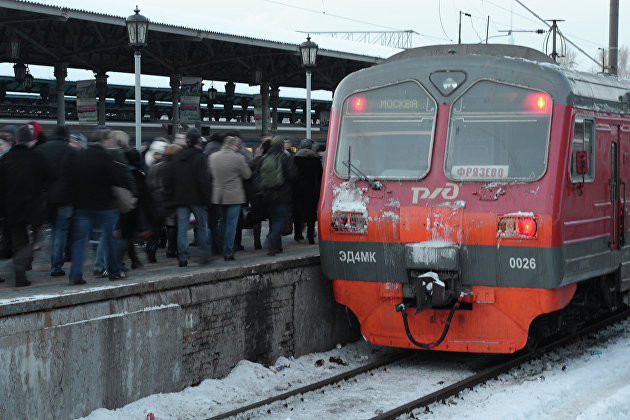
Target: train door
[
  {"x": 623, "y": 134},
  {"x": 619, "y": 156}
]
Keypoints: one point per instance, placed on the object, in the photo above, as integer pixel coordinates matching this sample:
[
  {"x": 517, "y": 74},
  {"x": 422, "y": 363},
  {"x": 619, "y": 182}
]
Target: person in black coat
[
  {"x": 58, "y": 155},
  {"x": 7, "y": 140},
  {"x": 258, "y": 211},
  {"x": 279, "y": 198},
  {"x": 94, "y": 172},
  {"x": 22, "y": 180},
  {"x": 140, "y": 220},
  {"x": 306, "y": 190},
  {"x": 189, "y": 189}
]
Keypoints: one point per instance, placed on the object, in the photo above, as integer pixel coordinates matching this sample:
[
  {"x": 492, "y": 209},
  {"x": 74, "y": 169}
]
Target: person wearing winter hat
[
  {"x": 22, "y": 179},
  {"x": 7, "y": 138},
  {"x": 156, "y": 151},
  {"x": 37, "y": 132},
  {"x": 78, "y": 140}
]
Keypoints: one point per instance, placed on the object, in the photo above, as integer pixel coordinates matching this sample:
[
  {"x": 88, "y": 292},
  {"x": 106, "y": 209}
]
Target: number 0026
[{"x": 523, "y": 263}]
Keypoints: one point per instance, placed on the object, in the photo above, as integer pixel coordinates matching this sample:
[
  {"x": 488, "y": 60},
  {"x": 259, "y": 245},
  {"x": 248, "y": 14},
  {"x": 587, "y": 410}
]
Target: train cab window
[
  {"x": 583, "y": 141},
  {"x": 387, "y": 132},
  {"x": 498, "y": 132}
]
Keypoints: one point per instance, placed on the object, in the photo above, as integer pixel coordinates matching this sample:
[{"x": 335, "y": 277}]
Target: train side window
[{"x": 583, "y": 141}]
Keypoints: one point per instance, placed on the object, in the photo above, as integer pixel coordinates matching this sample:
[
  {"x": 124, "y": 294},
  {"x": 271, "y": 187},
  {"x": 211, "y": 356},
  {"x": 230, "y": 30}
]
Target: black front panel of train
[{"x": 484, "y": 265}]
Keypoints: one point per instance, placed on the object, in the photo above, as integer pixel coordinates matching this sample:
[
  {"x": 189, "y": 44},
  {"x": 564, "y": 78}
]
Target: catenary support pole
[{"x": 613, "y": 36}]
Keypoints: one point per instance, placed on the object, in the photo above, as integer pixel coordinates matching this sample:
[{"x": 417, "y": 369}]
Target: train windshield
[
  {"x": 386, "y": 133},
  {"x": 498, "y": 132}
]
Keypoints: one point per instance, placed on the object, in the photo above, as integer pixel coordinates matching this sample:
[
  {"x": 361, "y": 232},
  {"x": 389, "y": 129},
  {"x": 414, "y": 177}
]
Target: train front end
[{"x": 436, "y": 211}]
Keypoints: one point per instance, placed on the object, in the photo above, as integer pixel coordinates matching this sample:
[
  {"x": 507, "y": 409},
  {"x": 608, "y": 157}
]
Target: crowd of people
[{"x": 106, "y": 188}]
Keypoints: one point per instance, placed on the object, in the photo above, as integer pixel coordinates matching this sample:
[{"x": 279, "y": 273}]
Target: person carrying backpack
[{"x": 276, "y": 174}]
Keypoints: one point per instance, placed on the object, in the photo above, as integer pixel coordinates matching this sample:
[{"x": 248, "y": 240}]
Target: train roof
[
  {"x": 496, "y": 50},
  {"x": 505, "y": 63}
]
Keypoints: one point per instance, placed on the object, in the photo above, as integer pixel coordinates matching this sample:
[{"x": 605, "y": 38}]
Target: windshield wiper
[{"x": 363, "y": 177}]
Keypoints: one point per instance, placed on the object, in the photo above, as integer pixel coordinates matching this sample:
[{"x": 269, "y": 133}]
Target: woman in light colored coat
[{"x": 229, "y": 169}]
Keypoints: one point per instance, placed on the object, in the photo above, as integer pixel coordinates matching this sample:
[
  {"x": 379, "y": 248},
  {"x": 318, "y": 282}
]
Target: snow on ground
[{"x": 587, "y": 380}]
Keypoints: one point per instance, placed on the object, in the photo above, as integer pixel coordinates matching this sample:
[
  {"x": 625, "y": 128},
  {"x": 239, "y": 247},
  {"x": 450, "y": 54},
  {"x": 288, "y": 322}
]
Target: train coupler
[{"x": 429, "y": 291}]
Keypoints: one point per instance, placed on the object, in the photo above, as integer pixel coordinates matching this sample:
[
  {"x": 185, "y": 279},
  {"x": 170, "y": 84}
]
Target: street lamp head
[
  {"x": 308, "y": 52},
  {"x": 212, "y": 93},
  {"x": 28, "y": 82},
  {"x": 137, "y": 28},
  {"x": 229, "y": 89},
  {"x": 19, "y": 70}
]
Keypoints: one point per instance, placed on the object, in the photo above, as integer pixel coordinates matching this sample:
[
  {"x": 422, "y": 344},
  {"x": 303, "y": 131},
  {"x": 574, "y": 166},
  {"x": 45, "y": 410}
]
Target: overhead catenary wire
[
  {"x": 441, "y": 23},
  {"x": 475, "y": 29},
  {"x": 549, "y": 26},
  {"x": 351, "y": 19}
]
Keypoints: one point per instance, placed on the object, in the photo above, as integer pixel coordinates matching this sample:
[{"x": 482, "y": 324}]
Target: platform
[
  {"x": 44, "y": 287},
  {"x": 71, "y": 349}
]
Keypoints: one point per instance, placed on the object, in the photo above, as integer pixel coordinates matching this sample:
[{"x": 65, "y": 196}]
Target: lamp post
[
  {"x": 137, "y": 28},
  {"x": 308, "y": 52}
]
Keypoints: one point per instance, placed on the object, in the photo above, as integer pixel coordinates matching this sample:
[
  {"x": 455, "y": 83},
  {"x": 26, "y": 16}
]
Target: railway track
[
  {"x": 496, "y": 370},
  {"x": 487, "y": 369},
  {"x": 393, "y": 358}
]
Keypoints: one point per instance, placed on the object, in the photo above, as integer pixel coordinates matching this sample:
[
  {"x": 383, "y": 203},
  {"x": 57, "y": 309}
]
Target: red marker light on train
[
  {"x": 357, "y": 104},
  {"x": 527, "y": 226},
  {"x": 523, "y": 227},
  {"x": 538, "y": 102}
]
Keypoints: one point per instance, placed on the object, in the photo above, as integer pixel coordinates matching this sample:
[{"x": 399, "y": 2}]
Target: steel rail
[
  {"x": 494, "y": 371},
  {"x": 317, "y": 385}
]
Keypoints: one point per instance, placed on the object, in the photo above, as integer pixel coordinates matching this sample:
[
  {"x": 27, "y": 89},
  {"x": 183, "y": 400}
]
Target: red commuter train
[{"x": 475, "y": 197}]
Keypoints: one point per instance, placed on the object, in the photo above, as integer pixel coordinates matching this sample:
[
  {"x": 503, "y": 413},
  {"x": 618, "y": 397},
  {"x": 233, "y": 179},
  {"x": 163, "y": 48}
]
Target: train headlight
[
  {"x": 349, "y": 222},
  {"x": 513, "y": 226}
]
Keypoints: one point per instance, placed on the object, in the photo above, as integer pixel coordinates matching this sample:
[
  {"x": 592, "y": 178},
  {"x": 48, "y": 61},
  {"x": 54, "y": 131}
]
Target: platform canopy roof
[{"x": 99, "y": 42}]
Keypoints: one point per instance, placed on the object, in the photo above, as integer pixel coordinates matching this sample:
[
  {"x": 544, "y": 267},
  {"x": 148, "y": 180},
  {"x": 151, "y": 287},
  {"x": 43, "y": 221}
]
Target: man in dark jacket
[
  {"x": 306, "y": 190},
  {"x": 22, "y": 179},
  {"x": 58, "y": 155},
  {"x": 94, "y": 173},
  {"x": 7, "y": 140},
  {"x": 189, "y": 186},
  {"x": 278, "y": 198}
]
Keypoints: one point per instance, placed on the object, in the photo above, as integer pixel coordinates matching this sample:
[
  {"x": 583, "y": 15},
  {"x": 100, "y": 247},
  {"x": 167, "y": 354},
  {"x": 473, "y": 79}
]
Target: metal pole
[
  {"x": 61, "y": 72},
  {"x": 307, "y": 113},
  {"x": 554, "y": 54},
  {"x": 613, "y": 36},
  {"x": 459, "y": 33},
  {"x": 487, "y": 29},
  {"x": 138, "y": 102}
]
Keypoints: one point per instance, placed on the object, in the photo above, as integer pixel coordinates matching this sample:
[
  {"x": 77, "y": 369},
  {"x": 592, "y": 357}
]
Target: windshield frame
[
  {"x": 336, "y": 162},
  {"x": 514, "y": 180}
]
